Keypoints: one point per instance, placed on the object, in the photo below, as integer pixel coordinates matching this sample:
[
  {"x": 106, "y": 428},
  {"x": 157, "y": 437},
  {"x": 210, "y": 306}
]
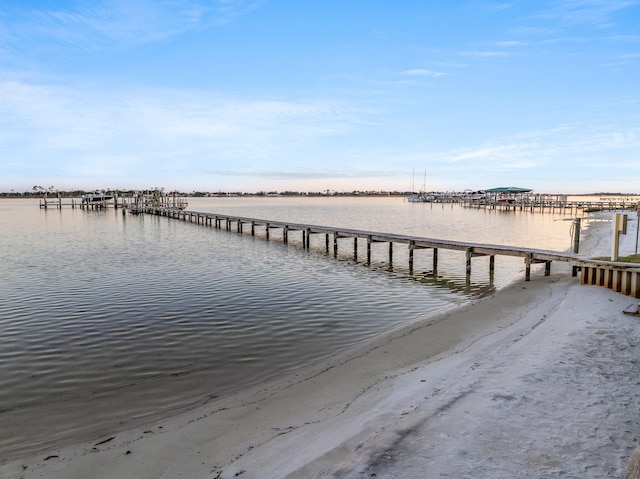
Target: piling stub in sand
[{"x": 633, "y": 471}]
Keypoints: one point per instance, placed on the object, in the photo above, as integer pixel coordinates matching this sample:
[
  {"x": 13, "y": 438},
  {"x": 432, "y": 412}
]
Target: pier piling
[{"x": 620, "y": 277}]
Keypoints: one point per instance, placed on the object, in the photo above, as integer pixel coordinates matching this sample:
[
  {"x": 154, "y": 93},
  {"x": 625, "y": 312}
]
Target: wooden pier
[
  {"x": 541, "y": 203},
  {"x": 621, "y": 277},
  {"x": 332, "y": 235},
  {"x": 551, "y": 205},
  {"x": 132, "y": 203},
  {"x": 59, "y": 203}
]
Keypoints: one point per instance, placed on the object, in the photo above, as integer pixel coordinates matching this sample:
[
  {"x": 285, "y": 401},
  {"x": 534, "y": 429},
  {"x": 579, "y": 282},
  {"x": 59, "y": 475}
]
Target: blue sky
[{"x": 244, "y": 95}]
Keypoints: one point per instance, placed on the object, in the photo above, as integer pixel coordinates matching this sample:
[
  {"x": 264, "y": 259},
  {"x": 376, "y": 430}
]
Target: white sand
[{"x": 539, "y": 381}]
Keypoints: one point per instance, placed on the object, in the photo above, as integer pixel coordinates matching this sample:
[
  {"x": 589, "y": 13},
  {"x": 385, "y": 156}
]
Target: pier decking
[
  {"x": 621, "y": 277},
  {"x": 549, "y": 205},
  {"x": 332, "y": 235}
]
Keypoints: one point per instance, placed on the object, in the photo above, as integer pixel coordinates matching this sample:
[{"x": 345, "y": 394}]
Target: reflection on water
[{"x": 109, "y": 320}]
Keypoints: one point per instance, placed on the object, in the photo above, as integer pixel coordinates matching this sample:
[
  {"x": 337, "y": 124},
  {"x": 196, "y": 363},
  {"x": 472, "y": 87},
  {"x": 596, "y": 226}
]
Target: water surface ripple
[{"x": 108, "y": 321}]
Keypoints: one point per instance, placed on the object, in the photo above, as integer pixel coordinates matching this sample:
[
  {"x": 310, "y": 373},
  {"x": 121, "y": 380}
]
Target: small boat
[
  {"x": 179, "y": 207},
  {"x": 474, "y": 195},
  {"x": 421, "y": 197},
  {"x": 96, "y": 197}
]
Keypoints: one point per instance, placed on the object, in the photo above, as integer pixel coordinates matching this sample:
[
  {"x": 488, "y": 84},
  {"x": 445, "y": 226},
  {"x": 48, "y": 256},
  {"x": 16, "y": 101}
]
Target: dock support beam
[
  {"x": 411, "y": 248},
  {"x": 435, "y": 260}
]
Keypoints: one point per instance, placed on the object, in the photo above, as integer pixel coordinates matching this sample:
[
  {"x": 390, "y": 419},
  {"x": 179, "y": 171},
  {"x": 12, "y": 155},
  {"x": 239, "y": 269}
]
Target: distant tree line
[{"x": 40, "y": 191}]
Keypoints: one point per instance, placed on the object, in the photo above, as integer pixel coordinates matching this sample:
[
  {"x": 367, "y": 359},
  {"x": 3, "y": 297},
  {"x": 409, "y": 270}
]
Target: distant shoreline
[{"x": 276, "y": 194}]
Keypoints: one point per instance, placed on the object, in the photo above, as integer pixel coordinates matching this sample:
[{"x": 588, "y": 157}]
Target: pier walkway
[
  {"x": 622, "y": 277},
  {"x": 333, "y": 234}
]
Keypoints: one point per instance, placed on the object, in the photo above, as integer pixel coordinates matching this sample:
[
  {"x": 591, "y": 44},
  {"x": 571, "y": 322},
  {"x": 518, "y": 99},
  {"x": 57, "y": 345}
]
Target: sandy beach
[{"x": 540, "y": 380}]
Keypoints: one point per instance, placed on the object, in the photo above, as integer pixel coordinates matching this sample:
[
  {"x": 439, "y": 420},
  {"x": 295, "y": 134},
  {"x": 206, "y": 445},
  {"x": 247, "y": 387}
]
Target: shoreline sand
[{"x": 538, "y": 380}]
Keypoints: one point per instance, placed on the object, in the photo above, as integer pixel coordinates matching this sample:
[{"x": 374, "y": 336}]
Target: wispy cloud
[
  {"x": 94, "y": 25},
  {"x": 510, "y": 43},
  {"x": 487, "y": 53},
  {"x": 598, "y": 13},
  {"x": 69, "y": 127},
  {"x": 569, "y": 143},
  {"x": 422, "y": 72}
]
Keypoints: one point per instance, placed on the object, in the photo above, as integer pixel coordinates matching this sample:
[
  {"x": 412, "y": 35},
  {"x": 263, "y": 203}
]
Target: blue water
[{"x": 110, "y": 320}]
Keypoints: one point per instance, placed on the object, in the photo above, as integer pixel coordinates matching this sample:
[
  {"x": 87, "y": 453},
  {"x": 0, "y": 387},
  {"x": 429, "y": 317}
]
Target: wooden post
[
  {"x": 253, "y": 228},
  {"x": 468, "y": 254},
  {"x": 355, "y": 249},
  {"x": 547, "y": 268},
  {"x": 308, "y": 231},
  {"x": 616, "y": 283},
  {"x": 411, "y": 247},
  {"x": 435, "y": 260},
  {"x": 369, "y": 250},
  {"x": 267, "y": 230},
  {"x": 635, "y": 285},
  {"x": 527, "y": 263},
  {"x": 335, "y": 243},
  {"x": 326, "y": 240},
  {"x": 576, "y": 235},
  {"x": 619, "y": 227},
  {"x": 625, "y": 283},
  {"x": 285, "y": 234},
  {"x": 390, "y": 253},
  {"x": 492, "y": 264}
]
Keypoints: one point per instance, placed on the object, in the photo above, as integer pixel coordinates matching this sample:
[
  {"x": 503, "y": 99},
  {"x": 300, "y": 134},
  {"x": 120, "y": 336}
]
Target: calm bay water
[{"x": 110, "y": 320}]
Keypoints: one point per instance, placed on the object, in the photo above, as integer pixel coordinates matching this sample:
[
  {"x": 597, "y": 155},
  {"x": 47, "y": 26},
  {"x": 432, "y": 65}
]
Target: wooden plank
[
  {"x": 625, "y": 283},
  {"x": 616, "y": 283},
  {"x": 635, "y": 285}
]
